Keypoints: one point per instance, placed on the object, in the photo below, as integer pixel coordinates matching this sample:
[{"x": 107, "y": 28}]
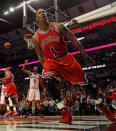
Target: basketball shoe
[
  {"x": 66, "y": 117},
  {"x": 14, "y": 113},
  {"x": 7, "y": 113}
]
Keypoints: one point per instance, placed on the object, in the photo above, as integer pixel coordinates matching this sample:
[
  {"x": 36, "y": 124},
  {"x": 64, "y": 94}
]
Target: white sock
[
  {"x": 14, "y": 108},
  {"x": 8, "y": 108}
]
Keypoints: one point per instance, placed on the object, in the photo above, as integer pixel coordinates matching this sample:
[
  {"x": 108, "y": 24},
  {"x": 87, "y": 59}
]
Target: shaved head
[{"x": 40, "y": 9}]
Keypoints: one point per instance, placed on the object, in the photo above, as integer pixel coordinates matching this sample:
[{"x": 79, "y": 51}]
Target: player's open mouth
[{"x": 43, "y": 17}]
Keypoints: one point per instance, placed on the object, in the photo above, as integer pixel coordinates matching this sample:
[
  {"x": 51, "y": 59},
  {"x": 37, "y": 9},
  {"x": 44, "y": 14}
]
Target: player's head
[
  {"x": 35, "y": 69},
  {"x": 41, "y": 16}
]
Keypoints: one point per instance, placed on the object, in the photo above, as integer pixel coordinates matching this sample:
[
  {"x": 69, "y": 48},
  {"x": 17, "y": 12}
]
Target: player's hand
[
  {"x": 0, "y": 87},
  {"x": 44, "y": 89},
  {"x": 26, "y": 61},
  {"x": 45, "y": 92},
  {"x": 2, "y": 80},
  {"x": 88, "y": 60}
]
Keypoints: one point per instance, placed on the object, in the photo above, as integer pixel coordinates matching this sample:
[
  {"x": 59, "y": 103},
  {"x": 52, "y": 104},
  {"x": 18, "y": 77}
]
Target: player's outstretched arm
[
  {"x": 77, "y": 44},
  {"x": 24, "y": 70},
  {"x": 38, "y": 50}
]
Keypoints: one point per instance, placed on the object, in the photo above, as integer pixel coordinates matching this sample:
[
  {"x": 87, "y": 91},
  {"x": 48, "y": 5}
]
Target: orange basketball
[{"x": 7, "y": 45}]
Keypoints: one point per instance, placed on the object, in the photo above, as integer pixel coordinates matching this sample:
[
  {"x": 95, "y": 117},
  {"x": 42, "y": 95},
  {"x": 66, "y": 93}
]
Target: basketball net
[{"x": 28, "y": 39}]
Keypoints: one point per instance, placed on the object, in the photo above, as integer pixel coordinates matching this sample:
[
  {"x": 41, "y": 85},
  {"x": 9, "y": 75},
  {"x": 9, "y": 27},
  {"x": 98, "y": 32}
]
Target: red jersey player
[
  {"x": 50, "y": 46},
  {"x": 2, "y": 98},
  {"x": 112, "y": 97},
  {"x": 10, "y": 91}
]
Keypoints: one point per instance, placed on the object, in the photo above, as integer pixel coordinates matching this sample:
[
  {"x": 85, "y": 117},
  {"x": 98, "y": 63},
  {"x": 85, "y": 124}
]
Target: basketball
[{"x": 7, "y": 45}]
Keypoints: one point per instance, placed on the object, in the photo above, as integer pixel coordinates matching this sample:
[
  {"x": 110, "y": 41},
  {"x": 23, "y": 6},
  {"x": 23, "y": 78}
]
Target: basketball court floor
[{"x": 80, "y": 123}]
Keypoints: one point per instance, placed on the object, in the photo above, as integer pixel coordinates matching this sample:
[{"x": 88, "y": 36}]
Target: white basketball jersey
[{"x": 34, "y": 81}]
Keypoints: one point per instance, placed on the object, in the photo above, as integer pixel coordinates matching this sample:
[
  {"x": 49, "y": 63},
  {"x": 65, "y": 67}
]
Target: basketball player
[
  {"x": 10, "y": 91},
  {"x": 50, "y": 47},
  {"x": 33, "y": 91},
  {"x": 2, "y": 98},
  {"x": 112, "y": 97}
]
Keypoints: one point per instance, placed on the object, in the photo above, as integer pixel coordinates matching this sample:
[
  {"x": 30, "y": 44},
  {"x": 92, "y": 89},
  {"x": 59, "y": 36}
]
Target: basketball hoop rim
[
  {"x": 28, "y": 35},
  {"x": 28, "y": 39}
]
